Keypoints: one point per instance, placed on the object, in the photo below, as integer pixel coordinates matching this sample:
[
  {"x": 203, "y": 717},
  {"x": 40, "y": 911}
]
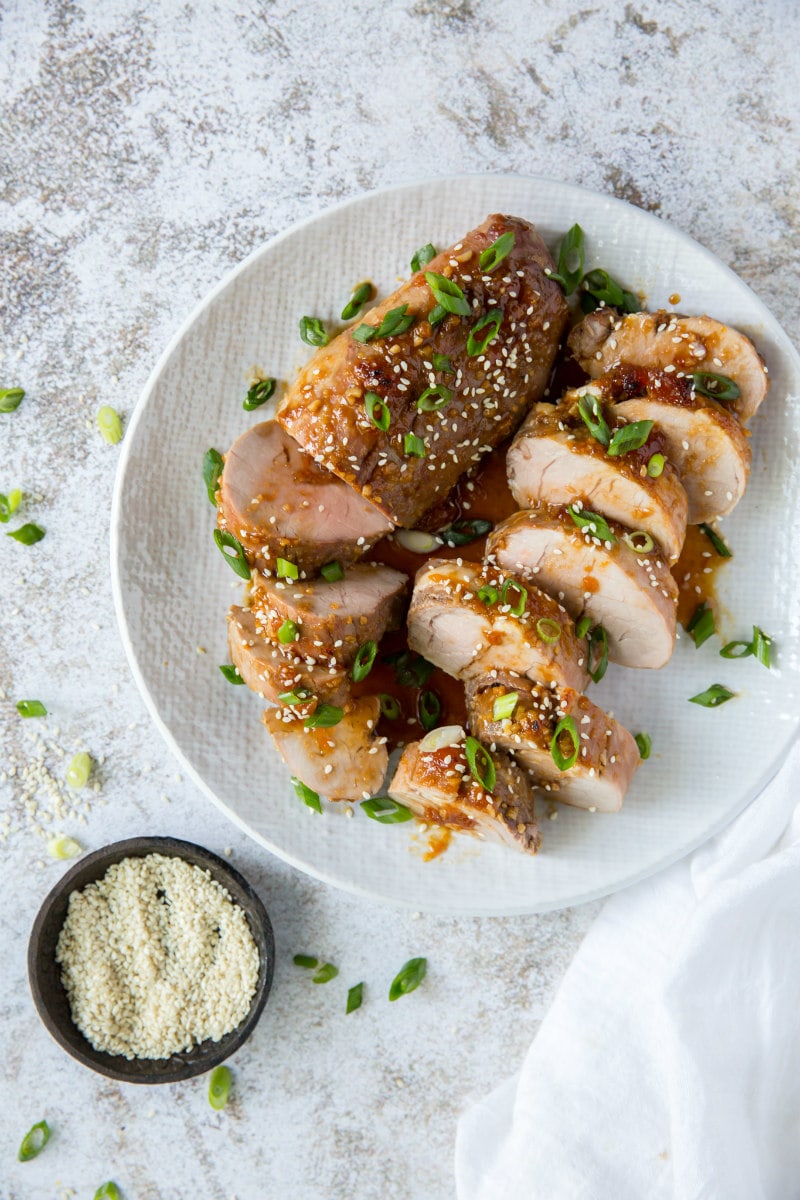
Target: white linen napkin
[{"x": 668, "y": 1067}]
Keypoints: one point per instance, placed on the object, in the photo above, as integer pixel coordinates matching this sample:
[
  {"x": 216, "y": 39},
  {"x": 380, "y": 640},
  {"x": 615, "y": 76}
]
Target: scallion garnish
[
  {"x": 429, "y": 709},
  {"x": 9, "y": 505},
  {"x": 480, "y": 763},
  {"x": 423, "y": 256},
  {"x": 442, "y": 363},
  {"x": 377, "y": 411},
  {"x": 313, "y": 332},
  {"x": 34, "y": 1141},
  {"x": 259, "y": 394},
  {"x": 639, "y": 541},
  {"x": 713, "y": 696},
  {"x": 288, "y": 632},
  {"x": 592, "y": 522},
  {"x": 701, "y": 626},
  {"x": 354, "y": 997},
  {"x": 219, "y": 1086},
  {"x": 655, "y": 465},
  {"x": 364, "y": 333},
  {"x": 79, "y": 770},
  {"x": 583, "y": 627},
  {"x": 493, "y": 255},
  {"x": 488, "y": 594},
  {"x": 462, "y": 532},
  {"x": 285, "y": 569},
  {"x": 411, "y": 670},
  {"x": 437, "y": 315},
  {"x": 359, "y": 298},
  {"x": 570, "y": 261},
  {"x": 408, "y": 978},
  {"x": 600, "y": 285},
  {"x": 306, "y": 961},
  {"x": 762, "y": 646},
  {"x": 63, "y": 847},
  {"x": 109, "y": 423},
  {"x": 434, "y": 398},
  {"x": 736, "y": 650},
  {"x": 645, "y": 745},
  {"x": 10, "y": 399},
  {"x": 716, "y": 541},
  {"x": 31, "y": 708},
  {"x": 447, "y": 294},
  {"x": 28, "y": 534},
  {"x": 592, "y": 413},
  {"x": 516, "y": 607},
  {"x": 413, "y": 446},
  {"x": 598, "y": 644},
  {"x": 565, "y": 727},
  {"x": 503, "y": 707},
  {"x": 236, "y": 561},
  {"x": 311, "y": 800},
  {"x": 332, "y": 572},
  {"x": 231, "y": 674},
  {"x": 629, "y": 437},
  {"x": 298, "y": 695},
  {"x": 548, "y": 630},
  {"x": 395, "y": 322},
  {"x": 107, "y": 1191},
  {"x": 386, "y": 811},
  {"x": 325, "y": 973},
  {"x": 362, "y": 664},
  {"x": 490, "y": 322},
  {"x": 718, "y": 387},
  {"x": 325, "y": 716},
  {"x": 212, "y": 469},
  {"x": 390, "y": 708}
]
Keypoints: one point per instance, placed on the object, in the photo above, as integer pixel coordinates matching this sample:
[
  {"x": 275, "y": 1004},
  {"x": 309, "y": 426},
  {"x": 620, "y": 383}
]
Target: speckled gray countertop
[{"x": 146, "y": 150}]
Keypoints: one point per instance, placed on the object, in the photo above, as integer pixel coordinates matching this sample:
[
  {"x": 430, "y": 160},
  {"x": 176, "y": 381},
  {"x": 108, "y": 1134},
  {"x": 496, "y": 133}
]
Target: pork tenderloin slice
[
  {"x": 271, "y": 670},
  {"x": 436, "y": 784},
  {"x": 333, "y": 619},
  {"x": 346, "y": 761},
  {"x": 487, "y": 394},
  {"x": 608, "y": 756},
  {"x": 632, "y": 595},
  {"x": 469, "y": 637},
  {"x": 664, "y": 340},
  {"x": 554, "y": 461},
  {"x": 279, "y": 503}
]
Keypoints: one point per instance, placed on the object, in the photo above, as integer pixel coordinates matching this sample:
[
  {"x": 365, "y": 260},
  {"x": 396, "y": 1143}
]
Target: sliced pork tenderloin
[
  {"x": 273, "y": 670},
  {"x": 343, "y": 761}
]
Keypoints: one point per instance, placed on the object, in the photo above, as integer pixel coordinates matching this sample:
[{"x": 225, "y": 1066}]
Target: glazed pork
[
  {"x": 447, "y": 374},
  {"x": 271, "y": 669},
  {"x": 666, "y": 341},
  {"x": 279, "y": 503},
  {"x": 434, "y": 780},
  {"x": 624, "y": 585},
  {"x": 470, "y": 620},
  {"x": 343, "y": 761}
]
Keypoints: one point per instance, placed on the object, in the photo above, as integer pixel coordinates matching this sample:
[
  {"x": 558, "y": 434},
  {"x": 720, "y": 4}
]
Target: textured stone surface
[{"x": 145, "y": 150}]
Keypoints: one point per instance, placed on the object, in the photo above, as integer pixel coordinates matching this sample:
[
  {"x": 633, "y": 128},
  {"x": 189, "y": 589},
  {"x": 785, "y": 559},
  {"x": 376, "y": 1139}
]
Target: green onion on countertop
[
  {"x": 79, "y": 770},
  {"x": 713, "y": 696},
  {"x": 701, "y": 625},
  {"x": 34, "y": 1141},
  {"x": 236, "y": 561},
  {"x": 644, "y": 742},
  {"x": 306, "y": 961},
  {"x": 304, "y": 793},
  {"x": 355, "y": 996},
  {"x": 28, "y": 534},
  {"x": 219, "y": 1086},
  {"x": 313, "y": 332},
  {"x": 10, "y": 399},
  {"x": 231, "y": 673},
  {"x": 480, "y": 763},
  {"x": 259, "y": 394},
  {"x": 109, "y": 423},
  {"x": 325, "y": 973},
  {"x": 408, "y": 978},
  {"x": 566, "y": 726},
  {"x": 63, "y": 847},
  {"x": 107, "y": 1191},
  {"x": 9, "y": 505},
  {"x": 31, "y": 708},
  {"x": 386, "y": 811},
  {"x": 760, "y": 646},
  {"x": 212, "y": 470}
]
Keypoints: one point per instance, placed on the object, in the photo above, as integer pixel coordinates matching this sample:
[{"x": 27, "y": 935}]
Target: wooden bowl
[{"x": 50, "y": 997}]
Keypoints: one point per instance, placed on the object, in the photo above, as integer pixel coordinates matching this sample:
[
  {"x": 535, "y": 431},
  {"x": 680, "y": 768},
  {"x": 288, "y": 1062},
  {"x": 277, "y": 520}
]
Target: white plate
[{"x": 172, "y": 589}]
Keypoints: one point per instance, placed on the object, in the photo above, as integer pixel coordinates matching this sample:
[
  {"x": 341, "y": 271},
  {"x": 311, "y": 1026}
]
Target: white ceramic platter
[{"x": 172, "y": 588}]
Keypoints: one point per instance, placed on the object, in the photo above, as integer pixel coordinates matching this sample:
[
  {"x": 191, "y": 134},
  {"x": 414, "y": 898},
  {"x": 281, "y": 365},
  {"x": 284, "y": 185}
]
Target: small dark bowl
[{"x": 48, "y": 992}]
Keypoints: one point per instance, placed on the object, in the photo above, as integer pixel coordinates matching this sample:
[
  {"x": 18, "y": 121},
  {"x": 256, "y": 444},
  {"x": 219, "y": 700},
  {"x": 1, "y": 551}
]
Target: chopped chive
[
  {"x": 493, "y": 255},
  {"x": 390, "y": 708},
  {"x": 643, "y": 741},
  {"x": 34, "y": 1141},
  {"x": 429, "y": 709},
  {"x": 377, "y": 410},
  {"x": 480, "y": 763},
  {"x": 63, "y": 847},
  {"x": 762, "y": 646},
  {"x": 655, "y": 465},
  {"x": 28, "y": 534},
  {"x": 236, "y": 561},
  {"x": 324, "y": 717},
  {"x": 109, "y": 423},
  {"x": 517, "y": 607},
  {"x": 488, "y": 594},
  {"x": 436, "y": 315},
  {"x": 591, "y": 411},
  {"x": 447, "y": 294},
  {"x": 10, "y": 399},
  {"x": 395, "y": 321},
  {"x": 411, "y": 670},
  {"x": 442, "y": 363},
  {"x": 491, "y": 322},
  {"x": 736, "y": 650},
  {"x": 570, "y": 261},
  {"x": 423, "y": 256},
  {"x": 212, "y": 470},
  {"x": 325, "y": 973},
  {"x": 31, "y": 708},
  {"x": 461, "y": 533},
  {"x": 565, "y": 762},
  {"x": 288, "y": 632},
  {"x": 701, "y": 626},
  {"x": 9, "y": 505},
  {"x": 718, "y": 387},
  {"x": 434, "y": 398},
  {"x": 592, "y": 522},
  {"x": 413, "y": 446},
  {"x": 629, "y": 437},
  {"x": 306, "y": 961},
  {"x": 332, "y": 572},
  {"x": 285, "y": 569},
  {"x": 362, "y": 664},
  {"x": 219, "y": 1086},
  {"x": 107, "y": 1191},
  {"x": 713, "y": 696},
  {"x": 639, "y": 541},
  {"x": 548, "y": 630},
  {"x": 359, "y": 298},
  {"x": 79, "y": 770},
  {"x": 716, "y": 541},
  {"x": 597, "y": 638},
  {"x": 300, "y": 695},
  {"x": 313, "y": 332},
  {"x": 408, "y": 978},
  {"x": 583, "y": 626},
  {"x": 503, "y": 707},
  {"x": 354, "y": 997},
  {"x": 309, "y": 797},
  {"x": 259, "y": 394},
  {"x": 230, "y": 672},
  {"x": 386, "y": 811}
]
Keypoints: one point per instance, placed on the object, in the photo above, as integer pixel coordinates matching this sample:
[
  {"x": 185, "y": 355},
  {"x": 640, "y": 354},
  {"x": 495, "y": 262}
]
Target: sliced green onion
[
  {"x": 565, "y": 726},
  {"x": 503, "y": 707},
  {"x": 461, "y": 533},
  {"x": 364, "y": 332},
  {"x": 31, "y": 708},
  {"x": 716, "y": 541},
  {"x": 701, "y": 626},
  {"x": 592, "y": 522},
  {"x": 219, "y": 1086},
  {"x": 212, "y": 469},
  {"x": 395, "y": 321},
  {"x": 434, "y": 398},
  {"x": 645, "y": 745},
  {"x": 718, "y": 387},
  {"x": 491, "y": 322},
  {"x": 236, "y": 561},
  {"x": 79, "y": 770},
  {"x": 600, "y": 285},
  {"x": 411, "y": 670},
  {"x": 423, "y": 256},
  {"x": 300, "y": 695},
  {"x": 313, "y": 332},
  {"x": 413, "y": 445},
  {"x": 597, "y": 638},
  {"x": 429, "y": 709},
  {"x": 548, "y": 630},
  {"x": 62, "y": 847},
  {"x": 655, "y": 465},
  {"x": 517, "y": 608},
  {"x": 390, "y": 708},
  {"x": 107, "y": 1191},
  {"x": 109, "y": 423},
  {"x": 324, "y": 717},
  {"x": 288, "y": 632},
  {"x": 493, "y": 255},
  {"x": 230, "y": 672},
  {"x": 762, "y": 646},
  {"x": 713, "y": 696},
  {"x": 35, "y": 1139},
  {"x": 306, "y": 961},
  {"x": 386, "y": 811},
  {"x": 437, "y": 315},
  {"x": 364, "y": 659},
  {"x": 28, "y": 534},
  {"x": 570, "y": 261},
  {"x": 417, "y": 540},
  {"x": 639, "y": 541},
  {"x": 448, "y": 295},
  {"x": 377, "y": 411},
  {"x": 311, "y": 800},
  {"x": 591, "y": 411},
  {"x": 488, "y": 594},
  {"x": 583, "y": 627},
  {"x": 259, "y": 394},
  {"x": 442, "y": 363},
  {"x": 10, "y": 399},
  {"x": 285, "y": 569},
  {"x": 359, "y": 298},
  {"x": 332, "y": 572},
  {"x": 325, "y": 973},
  {"x": 480, "y": 763},
  {"x": 408, "y": 978},
  {"x": 9, "y": 504},
  {"x": 736, "y": 650},
  {"x": 629, "y": 437},
  {"x": 354, "y": 997}
]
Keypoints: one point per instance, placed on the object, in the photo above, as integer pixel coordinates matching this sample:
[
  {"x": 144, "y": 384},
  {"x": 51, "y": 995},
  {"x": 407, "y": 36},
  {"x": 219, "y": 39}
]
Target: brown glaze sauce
[
  {"x": 695, "y": 573},
  {"x": 438, "y": 841}
]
